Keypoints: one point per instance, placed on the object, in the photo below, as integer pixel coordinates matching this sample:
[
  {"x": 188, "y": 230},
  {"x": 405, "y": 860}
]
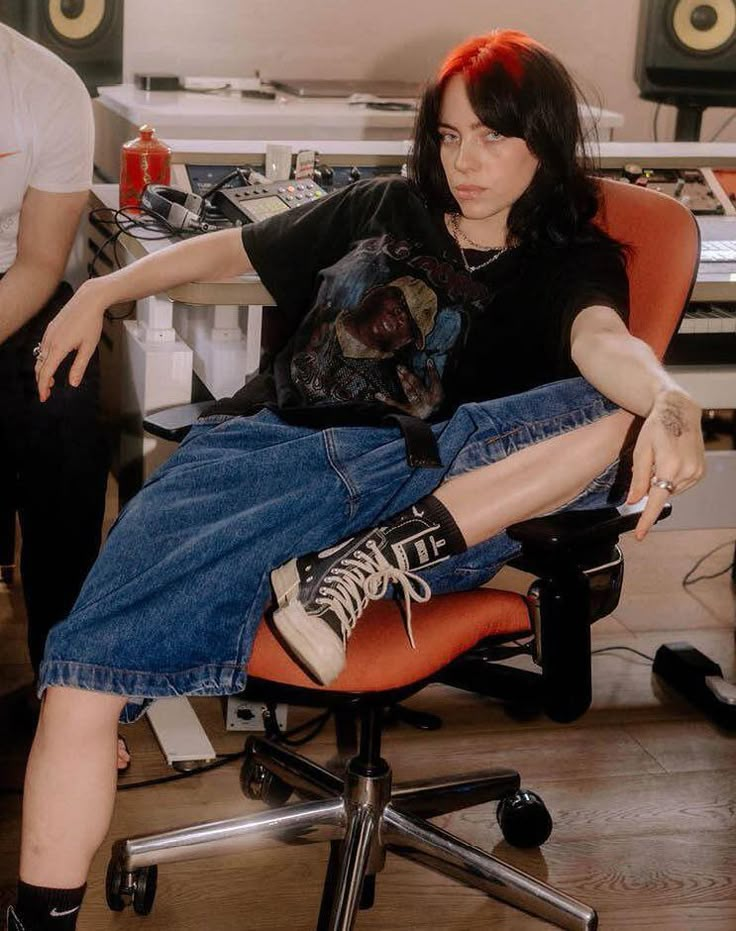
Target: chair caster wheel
[
  {"x": 260, "y": 784},
  {"x": 138, "y": 887},
  {"x": 524, "y": 819}
]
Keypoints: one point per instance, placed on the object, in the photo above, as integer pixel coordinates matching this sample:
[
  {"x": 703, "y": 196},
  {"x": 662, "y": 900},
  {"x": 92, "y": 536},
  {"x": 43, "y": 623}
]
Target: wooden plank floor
[{"x": 642, "y": 789}]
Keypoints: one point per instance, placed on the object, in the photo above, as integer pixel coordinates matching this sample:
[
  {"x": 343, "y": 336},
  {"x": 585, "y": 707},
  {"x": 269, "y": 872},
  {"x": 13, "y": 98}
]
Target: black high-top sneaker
[{"x": 322, "y": 596}]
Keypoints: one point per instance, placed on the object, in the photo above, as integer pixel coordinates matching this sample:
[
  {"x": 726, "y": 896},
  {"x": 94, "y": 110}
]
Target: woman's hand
[
  {"x": 669, "y": 449},
  {"x": 77, "y": 327}
]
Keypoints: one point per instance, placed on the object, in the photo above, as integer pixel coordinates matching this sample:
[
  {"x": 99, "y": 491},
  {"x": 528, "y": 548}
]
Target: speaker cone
[
  {"x": 704, "y": 26},
  {"x": 75, "y": 20}
]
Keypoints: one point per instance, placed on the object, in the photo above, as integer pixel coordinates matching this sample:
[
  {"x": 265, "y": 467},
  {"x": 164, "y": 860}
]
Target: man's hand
[
  {"x": 421, "y": 399},
  {"x": 669, "y": 448},
  {"x": 77, "y": 327}
]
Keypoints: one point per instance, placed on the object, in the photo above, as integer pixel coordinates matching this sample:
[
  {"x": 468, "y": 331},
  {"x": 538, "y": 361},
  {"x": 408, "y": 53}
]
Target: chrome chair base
[{"x": 363, "y": 817}]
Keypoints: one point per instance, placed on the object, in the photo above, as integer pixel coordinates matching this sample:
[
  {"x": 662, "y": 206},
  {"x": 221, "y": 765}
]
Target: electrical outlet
[{"x": 245, "y": 715}]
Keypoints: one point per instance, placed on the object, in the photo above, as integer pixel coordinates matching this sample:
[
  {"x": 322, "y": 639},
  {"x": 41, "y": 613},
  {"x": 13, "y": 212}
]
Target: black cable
[
  {"x": 243, "y": 172},
  {"x": 686, "y": 580},
  {"x": 114, "y": 219},
  {"x": 118, "y": 263},
  {"x": 528, "y": 648},
  {"x": 630, "y": 650},
  {"x": 114, "y": 239},
  {"x": 654, "y": 121},
  {"x": 144, "y": 220},
  {"x": 149, "y": 221},
  {"x": 222, "y": 760},
  {"x": 317, "y": 724},
  {"x": 91, "y": 273}
]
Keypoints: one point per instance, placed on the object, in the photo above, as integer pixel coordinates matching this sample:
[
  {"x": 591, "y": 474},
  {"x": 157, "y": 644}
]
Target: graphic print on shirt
[{"x": 385, "y": 324}]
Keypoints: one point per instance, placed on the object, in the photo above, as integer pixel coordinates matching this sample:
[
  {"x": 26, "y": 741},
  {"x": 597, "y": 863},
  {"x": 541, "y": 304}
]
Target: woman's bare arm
[
  {"x": 619, "y": 365},
  {"x": 78, "y": 326},
  {"x": 624, "y": 369}
]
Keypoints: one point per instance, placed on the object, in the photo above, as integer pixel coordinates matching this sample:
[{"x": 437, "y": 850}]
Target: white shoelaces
[{"x": 365, "y": 577}]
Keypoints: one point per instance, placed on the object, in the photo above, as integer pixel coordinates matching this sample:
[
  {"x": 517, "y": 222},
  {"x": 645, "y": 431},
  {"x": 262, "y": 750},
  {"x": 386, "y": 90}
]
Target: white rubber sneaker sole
[
  {"x": 285, "y": 582},
  {"x": 317, "y": 647}
]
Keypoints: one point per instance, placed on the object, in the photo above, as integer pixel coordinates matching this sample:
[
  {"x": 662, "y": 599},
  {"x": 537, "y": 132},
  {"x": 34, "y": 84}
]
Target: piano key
[
  {"x": 718, "y": 250},
  {"x": 709, "y": 318}
]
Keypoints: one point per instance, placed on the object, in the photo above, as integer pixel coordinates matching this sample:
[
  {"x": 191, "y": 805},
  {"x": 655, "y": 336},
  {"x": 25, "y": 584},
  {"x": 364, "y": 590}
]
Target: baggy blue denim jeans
[{"x": 172, "y": 605}]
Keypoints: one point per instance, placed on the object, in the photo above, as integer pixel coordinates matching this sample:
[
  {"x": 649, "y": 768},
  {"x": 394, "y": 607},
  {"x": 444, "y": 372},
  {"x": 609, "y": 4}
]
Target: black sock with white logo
[
  {"x": 421, "y": 536},
  {"x": 42, "y": 909}
]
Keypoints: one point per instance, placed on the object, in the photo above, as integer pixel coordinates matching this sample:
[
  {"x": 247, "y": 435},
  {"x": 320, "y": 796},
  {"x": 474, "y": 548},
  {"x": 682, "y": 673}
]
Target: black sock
[
  {"x": 42, "y": 909},
  {"x": 422, "y": 535}
]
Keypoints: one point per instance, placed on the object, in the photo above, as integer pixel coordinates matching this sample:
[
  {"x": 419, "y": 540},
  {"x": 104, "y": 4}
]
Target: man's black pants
[{"x": 53, "y": 472}]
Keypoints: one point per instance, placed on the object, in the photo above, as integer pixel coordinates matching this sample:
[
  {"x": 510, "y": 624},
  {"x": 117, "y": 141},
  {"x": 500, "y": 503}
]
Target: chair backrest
[{"x": 665, "y": 242}]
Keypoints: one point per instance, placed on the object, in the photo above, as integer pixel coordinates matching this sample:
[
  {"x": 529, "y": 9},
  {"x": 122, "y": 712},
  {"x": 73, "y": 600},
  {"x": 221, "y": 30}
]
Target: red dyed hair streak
[{"x": 504, "y": 48}]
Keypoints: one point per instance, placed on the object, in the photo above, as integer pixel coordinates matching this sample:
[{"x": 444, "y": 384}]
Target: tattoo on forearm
[{"x": 672, "y": 419}]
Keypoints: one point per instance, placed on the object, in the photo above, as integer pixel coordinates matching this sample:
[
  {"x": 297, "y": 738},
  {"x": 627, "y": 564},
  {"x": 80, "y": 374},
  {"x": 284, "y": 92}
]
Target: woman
[{"x": 496, "y": 222}]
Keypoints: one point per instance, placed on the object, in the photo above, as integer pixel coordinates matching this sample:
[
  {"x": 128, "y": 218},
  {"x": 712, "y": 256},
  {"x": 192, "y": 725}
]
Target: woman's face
[{"x": 486, "y": 172}]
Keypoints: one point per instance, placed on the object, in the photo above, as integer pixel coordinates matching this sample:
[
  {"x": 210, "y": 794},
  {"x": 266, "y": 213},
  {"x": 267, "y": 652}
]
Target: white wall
[{"x": 392, "y": 39}]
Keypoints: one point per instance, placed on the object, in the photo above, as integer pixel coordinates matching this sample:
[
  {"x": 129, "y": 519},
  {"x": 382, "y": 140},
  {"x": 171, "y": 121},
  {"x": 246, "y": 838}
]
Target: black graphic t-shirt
[{"x": 382, "y": 311}]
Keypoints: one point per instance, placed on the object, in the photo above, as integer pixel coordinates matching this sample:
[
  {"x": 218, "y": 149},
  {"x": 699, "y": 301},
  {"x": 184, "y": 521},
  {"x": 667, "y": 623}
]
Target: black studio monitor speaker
[
  {"x": 686, "y": 53},
  {"x": 87, "y": 34}
]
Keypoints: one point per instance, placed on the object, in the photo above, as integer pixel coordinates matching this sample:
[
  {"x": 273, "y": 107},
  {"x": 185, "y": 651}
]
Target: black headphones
[{"x": 179, "y": 209}]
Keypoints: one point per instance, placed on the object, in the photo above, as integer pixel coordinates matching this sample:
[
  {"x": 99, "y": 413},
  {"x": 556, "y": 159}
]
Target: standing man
[{"x": 53, "y": 459}]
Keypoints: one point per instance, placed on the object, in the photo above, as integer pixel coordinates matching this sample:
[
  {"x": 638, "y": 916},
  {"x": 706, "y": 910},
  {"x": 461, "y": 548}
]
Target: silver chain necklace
[{"x": 457, "y": 233}]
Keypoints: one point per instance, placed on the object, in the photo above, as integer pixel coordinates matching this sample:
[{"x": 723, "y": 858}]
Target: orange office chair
[{"x": 579, "y": 569}]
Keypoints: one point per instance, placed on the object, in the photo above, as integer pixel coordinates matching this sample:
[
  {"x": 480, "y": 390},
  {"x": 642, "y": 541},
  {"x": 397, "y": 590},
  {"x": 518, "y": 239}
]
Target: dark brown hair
[{"x": 518, "y": 88}]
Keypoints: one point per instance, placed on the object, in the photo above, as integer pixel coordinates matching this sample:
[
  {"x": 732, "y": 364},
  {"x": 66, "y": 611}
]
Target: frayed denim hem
[{"x": 142, "y": 688}]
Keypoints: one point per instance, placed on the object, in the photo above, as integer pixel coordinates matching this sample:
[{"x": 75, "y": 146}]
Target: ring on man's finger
[
  {"x": 38, "y": 352},
  {"x": 668, "y": 486}
]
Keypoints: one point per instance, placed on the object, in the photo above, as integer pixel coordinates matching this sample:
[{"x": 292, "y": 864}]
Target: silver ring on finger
[
  {"x": 38, "y": 354},
  {"x": 664, "y": 483}
]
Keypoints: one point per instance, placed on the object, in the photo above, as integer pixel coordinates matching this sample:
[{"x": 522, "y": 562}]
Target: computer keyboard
[{"x": 718, "y": 250}]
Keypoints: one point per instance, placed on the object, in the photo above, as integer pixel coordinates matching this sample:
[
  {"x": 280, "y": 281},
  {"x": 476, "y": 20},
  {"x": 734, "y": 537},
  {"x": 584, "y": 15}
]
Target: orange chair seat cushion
[{"x": 379, "y": 655}]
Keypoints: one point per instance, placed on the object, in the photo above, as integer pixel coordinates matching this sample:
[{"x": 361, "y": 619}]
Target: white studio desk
[{"x": 121, "y": 109}]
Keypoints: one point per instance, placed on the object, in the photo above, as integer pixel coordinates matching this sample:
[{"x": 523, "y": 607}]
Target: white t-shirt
[{"x": 46, "y": 131}]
